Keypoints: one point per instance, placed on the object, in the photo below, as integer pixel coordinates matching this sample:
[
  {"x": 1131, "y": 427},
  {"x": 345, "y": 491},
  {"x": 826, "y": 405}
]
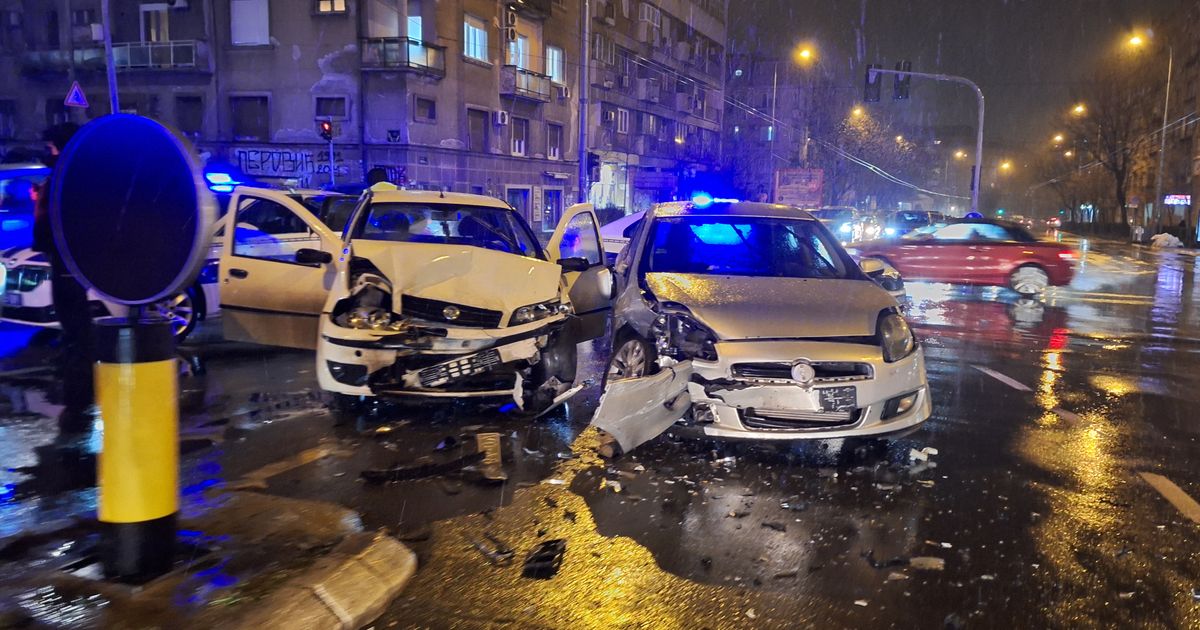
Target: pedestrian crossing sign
[{"x": 75, "y": 97}]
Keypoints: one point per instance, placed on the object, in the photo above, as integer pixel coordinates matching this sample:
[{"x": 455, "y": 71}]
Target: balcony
[
  {"x": 51, "y": 61},
  {"x": 404, "y": 54},
  {"x": 175, "y": 55},
  {"x": 522, "y": 83}
]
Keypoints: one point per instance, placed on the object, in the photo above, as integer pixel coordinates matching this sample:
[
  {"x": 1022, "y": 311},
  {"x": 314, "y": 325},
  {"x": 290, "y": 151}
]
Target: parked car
[
  {"x": 751, "y": 321},
  {"x": 844, "y": 221},
  {"x": 898, "y": 224},
  {"x": 421, "y": 294},
  {"x": 27, "y": 287},
  {"x": 976, "y": 251}
]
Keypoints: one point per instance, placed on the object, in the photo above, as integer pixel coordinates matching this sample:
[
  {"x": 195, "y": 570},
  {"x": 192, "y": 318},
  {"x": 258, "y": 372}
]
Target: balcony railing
[
  {"x": 175, "y": 55},
  {"x": 403, "y": 53},
  {"x": 515, "y": 81},
  {"x": 84, "y": 59}
]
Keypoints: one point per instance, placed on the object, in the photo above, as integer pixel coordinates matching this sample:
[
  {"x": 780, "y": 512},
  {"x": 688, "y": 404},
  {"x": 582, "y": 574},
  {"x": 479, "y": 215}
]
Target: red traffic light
[{"x": 326, "y": 129}]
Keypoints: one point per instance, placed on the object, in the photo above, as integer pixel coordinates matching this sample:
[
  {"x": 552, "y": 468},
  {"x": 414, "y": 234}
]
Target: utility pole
[
  {"x": 585, "y": 84},
  {"x": 1162, "y": 144},
  {"x": 979, "y": 132},
  {"x": 114, "y": 103}
]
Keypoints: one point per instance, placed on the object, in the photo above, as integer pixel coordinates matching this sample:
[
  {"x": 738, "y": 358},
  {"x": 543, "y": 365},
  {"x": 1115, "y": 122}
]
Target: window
[
  {"x": 520, "y": 136},
  {"x": 968, "y": 232},
  {"x": 249, "y": 22},
  {"x": 477, "y": 130},
  {"x": 8, "y": 119},
  {"x": 554, "y": 64},
  {"x": 581, "y": 240},
  {"x": 650, "y": 13},
  {"x": 475, "y": 39},
  {"x": 554, "y": 141},
  {"x": 649, "y": 124},
  {"x": 56, "y": 112},
  {"x": 744, "y": 246},
  {"x": 251, "y": 117},
  {"x": 154, "y": 21},
  {"x": 52, "y": 29},
  {"x": 268, "y": 230},
  {"x": 424, "y": 109},
  {"x": 604, "y": 49},
  {"x": 332, "y": 107},
  {"x": 331, "y": 6},
  {"x": 518, "y": 52},
  {"x": 497, "y": 229},
  {"x": 83, "y": 17},
  {"x": 622, "y": 120},
  {"x": 189, "y": 115}
]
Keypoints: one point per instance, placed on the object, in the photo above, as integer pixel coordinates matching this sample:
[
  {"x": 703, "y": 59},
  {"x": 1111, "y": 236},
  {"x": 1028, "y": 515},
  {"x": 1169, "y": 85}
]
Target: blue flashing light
[
  {"x": 221, "y": 188},
  {"x": 218, "y": 178},
  {"x": 702, "y": 200},
  {"x": 889, "y": 231}
]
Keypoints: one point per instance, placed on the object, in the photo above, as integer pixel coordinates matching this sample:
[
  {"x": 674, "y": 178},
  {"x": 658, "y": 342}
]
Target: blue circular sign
[{"x": 131, "y": 215}]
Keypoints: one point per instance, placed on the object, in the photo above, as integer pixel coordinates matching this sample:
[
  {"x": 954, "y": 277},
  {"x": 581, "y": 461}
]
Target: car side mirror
[
  {"x": 313, "y": 257},
  {"x": 871, "y": 266},
  {"x": 574, "y": 264}
]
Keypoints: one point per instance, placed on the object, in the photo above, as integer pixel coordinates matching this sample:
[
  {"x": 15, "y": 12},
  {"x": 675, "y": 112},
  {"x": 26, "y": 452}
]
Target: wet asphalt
[{"x": 1021, "y": 503}]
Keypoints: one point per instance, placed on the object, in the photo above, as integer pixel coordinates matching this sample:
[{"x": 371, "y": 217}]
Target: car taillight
[{"x": 1067, "y": 254}]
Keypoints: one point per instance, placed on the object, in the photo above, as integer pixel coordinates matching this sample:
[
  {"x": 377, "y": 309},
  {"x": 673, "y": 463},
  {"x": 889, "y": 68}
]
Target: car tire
[
  {"x": 631, "y": 357},
  {"x": 183, "y": 311},
  {"x": 1029, "y": 280},
  {"x": 551, "y": 376}
]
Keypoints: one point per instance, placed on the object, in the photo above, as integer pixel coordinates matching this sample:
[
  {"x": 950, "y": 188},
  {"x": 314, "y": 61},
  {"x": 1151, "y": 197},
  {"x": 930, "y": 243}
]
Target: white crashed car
[
  {"x": 751, "y": 321},
  {"x": 424, "y": 294}
]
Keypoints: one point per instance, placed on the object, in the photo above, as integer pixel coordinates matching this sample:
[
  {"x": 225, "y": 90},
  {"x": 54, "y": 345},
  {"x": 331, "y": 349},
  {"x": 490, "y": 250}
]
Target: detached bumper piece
[{"x": 442, "y": 373}]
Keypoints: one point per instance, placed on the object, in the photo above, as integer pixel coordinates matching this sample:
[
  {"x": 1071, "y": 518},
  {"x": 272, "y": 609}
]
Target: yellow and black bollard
[{"x": 137, "y": 394}]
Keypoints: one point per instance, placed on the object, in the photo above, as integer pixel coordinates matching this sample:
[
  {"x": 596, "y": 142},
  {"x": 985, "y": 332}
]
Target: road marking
[
  {"x": 1002, "y": 378},
  {"x": 1173, "y": 493},
  {"x": 1069, "y": 416},
  {"x": 258, "y": 478},
  {"x": 26, "y": 371}
]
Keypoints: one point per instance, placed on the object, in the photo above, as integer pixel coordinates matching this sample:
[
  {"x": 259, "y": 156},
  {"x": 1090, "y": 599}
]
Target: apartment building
[{"x": 465, "y": 95}]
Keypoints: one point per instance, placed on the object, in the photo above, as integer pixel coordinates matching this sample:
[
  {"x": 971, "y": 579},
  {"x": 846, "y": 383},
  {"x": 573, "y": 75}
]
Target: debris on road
[
  {"x": 447, "y": 442},
  {"x": 779, "y": 527},
  {"x": 927, "y": 563},
  {"x": 544, "y": 561},
  {"x": 922, "y": 455},
  {"x": 424, "y": 468},
  {"x": 608, "y": 483},
  {"x": 637, "y": 410},
  {"x": 869, "y": 556},
  {"x": 794, "y": 504},
  {"x": 895, "y": 576},
  {"x": 943, "y": 545},
  {"x": 782, "y": 575},
  {"x": 492, "y": 465},
  {"x": 861, "y": 602},
  {"x": 751, "y": 614},
  {"x": 500, "y": 554}
]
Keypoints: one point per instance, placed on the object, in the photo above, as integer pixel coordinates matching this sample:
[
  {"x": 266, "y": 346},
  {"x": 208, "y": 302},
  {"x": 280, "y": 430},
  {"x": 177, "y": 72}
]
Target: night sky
[{"x": 1025, "y": 54}]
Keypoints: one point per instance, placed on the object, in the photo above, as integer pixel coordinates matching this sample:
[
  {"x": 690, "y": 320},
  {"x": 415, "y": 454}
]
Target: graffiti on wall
[{"x": 306, "y": 166}]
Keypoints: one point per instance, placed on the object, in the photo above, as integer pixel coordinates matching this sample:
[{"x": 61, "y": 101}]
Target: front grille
[
  {"x": 827, "y": 371},
  {"x": 432, "y": 310},
  {"x": 792, "y": 420},
  {"x": 453, "y": 370},
  {"x": 25, "y": 278}
]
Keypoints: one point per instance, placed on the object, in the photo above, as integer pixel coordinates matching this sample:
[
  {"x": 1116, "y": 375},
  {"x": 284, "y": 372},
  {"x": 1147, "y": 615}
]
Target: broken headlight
[
  {"x": 895, "y": 337},
  {"x": 535, "y": 312},
  {"x": 369, "y": 309},
  {"x": 680, "y": 337}
]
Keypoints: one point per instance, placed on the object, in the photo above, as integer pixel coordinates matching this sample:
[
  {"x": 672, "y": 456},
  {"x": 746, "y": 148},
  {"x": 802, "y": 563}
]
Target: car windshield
[
  {"x": 910, "y": 219},
  {"x": 497, "y": 229},
  {"x": 333, "y": 210},
  {"x": 745, "y": 246},
  {"x": 833, "y": 215}
]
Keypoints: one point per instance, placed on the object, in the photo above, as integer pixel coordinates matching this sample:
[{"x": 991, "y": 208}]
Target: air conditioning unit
[
  {"x": 608, "y": 85},
  {"x": 510, "y": 18},
  {"x": 510, "y": 33},
  {"x": 564, "y": 92},
  {"x": 626, "y": 81},
  {"x": 500, "y": 118},
  {"x": 97, "y": 31}
]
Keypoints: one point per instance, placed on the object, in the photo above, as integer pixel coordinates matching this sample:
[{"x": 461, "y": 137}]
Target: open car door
[
  {"x": 275, "y": 270},
  {"x": 576, "y": 245}
]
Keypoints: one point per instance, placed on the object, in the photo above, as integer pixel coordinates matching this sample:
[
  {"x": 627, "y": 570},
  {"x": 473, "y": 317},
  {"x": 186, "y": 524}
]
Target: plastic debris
[
  {"x": 1128, "y": 595},
  {"x": 860, "y": 602},
  {"x": 500, "y": 554},
  {"x": 896, "y": 577},
  {"x": 544, "y": 561},
  {"x": 608, "y": 483},
  {"x": 927, "y": 563},
  {"x": 751, "y": 614},
  {"x": 554, "y": 482},
  {"x": 943, "y": 545},
  {"x": 639, "y": 468},
  {"x": 491, "y": 467},
  {"x": 794, "y": 504},
  {"x": 1196, "y": 594}
]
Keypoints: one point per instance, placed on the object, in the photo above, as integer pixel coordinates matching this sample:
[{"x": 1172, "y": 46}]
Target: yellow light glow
[
  {"x": 1079, "y": 109},
  {"x": 857, "y": 111},
  {"x": 1069, "y": 154},
  {"x": 1136, "y": 41},
  {"x": 899, "y": 138},
  {"x": 1058, "y": 138},
  {"x": 804, "y": 54},
  {"x": 960, "y": 155},
  {"x": 1006, "y": 165}
]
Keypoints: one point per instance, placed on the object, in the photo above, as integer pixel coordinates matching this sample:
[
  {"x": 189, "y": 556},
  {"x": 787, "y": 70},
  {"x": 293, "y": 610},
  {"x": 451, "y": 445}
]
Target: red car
[{"x": 976, "y": 252}]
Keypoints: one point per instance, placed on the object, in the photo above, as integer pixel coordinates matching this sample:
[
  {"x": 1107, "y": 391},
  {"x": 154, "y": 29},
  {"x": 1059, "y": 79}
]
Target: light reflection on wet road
[{"x": 1032, "y": 500}]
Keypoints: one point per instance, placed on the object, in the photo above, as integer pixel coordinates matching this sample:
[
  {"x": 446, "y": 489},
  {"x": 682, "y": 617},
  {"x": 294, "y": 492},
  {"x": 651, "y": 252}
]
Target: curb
[{"x": 346, "y": 590}]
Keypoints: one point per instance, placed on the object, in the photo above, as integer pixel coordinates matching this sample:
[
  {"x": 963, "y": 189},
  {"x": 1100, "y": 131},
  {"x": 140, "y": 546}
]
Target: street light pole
[
  {"x": 114, "y": 102},
  {"x": 1162, "y": 143},
  {"x": 585, "y": 86}
]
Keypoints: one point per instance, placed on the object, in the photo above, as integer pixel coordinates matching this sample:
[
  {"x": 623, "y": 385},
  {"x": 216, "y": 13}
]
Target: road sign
[
  {"x": 131, "y": 214},
  {"x": 75, "y": 97},
  {"x": 802, "y": 187}
]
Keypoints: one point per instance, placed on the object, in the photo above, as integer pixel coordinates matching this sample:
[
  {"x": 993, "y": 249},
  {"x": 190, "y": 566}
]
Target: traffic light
[
  {"x": 326, "y": 129},
  {"x": 871, "y": 88},
  {"x": 593, "y": 165},
  {"x": 903, "y": 81}
]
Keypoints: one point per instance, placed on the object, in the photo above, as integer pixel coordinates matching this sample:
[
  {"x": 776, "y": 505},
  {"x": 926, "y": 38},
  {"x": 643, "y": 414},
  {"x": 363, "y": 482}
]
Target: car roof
[
  {"x": 433, "y": 196},
  {"x": 732, "y": 208}
]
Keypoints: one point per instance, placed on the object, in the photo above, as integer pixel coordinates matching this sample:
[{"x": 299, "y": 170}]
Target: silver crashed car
[{"x": 749, "y": 320}]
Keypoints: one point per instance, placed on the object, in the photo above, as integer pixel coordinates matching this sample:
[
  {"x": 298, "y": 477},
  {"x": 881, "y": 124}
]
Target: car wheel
[
  {"x": 631, "y": 357},
  {"x": 180, "y": 310},
  {"x": 1029, "y": 280},
  {"x": 552, "y": 376}
]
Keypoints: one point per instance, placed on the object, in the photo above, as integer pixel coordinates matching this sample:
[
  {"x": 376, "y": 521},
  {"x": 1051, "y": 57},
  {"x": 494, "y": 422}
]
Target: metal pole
[
  {"x": 114, "y": 102},
  {"x": 978, "y": 133},
  {"x": 332, "y": 169},
  {"x": 1162, "y": 144},
  {"x": 585, "y": 85}
]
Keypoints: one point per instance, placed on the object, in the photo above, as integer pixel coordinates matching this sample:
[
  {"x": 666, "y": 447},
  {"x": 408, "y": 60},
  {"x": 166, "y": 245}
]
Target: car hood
[
  {"x": 736, "y": 307},
  {"x": 471, "y": 276},
  {"x": 22, "y": 256}
]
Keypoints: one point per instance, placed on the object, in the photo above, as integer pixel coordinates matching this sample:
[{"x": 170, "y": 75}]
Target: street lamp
[
  {"x": 1068, "y": 153},
  {"x": 1136, "y": 41},
  {"x": 1006, "y": 165},
  {"x": 1058, "y": 138},
  {"x": 1079, "y": 109},
  {"x": 803, "y": 55},
  {"x": 960, "y": 155}
]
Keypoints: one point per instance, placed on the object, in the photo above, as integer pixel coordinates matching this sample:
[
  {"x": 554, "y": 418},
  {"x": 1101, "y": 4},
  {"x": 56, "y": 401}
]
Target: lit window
[
  {"x": 554, "y": 64},
  {"x": 331, "y": 6},
  {"x": 475, "y": 39}
]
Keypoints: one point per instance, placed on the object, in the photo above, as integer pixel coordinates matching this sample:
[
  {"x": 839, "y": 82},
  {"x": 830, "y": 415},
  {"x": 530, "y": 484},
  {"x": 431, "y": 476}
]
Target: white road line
[
  {"x": 1173, "y": 493},
  {"x": 1002, "y": 378},
  {"x": 1069, "y": 416},
  {"x": 258, "y": 478}
]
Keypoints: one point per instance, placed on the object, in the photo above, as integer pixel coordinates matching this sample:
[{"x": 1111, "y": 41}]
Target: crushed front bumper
[{"x": 437, "y": 361}]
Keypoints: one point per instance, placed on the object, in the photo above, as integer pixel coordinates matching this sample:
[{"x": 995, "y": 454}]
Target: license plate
[
  {"x": 12, "y": 299},
  {"x": 839, "y": 398}
]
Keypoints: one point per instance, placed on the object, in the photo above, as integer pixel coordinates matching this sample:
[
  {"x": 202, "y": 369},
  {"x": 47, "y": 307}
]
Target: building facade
[{"x": 465, "y": 95}]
